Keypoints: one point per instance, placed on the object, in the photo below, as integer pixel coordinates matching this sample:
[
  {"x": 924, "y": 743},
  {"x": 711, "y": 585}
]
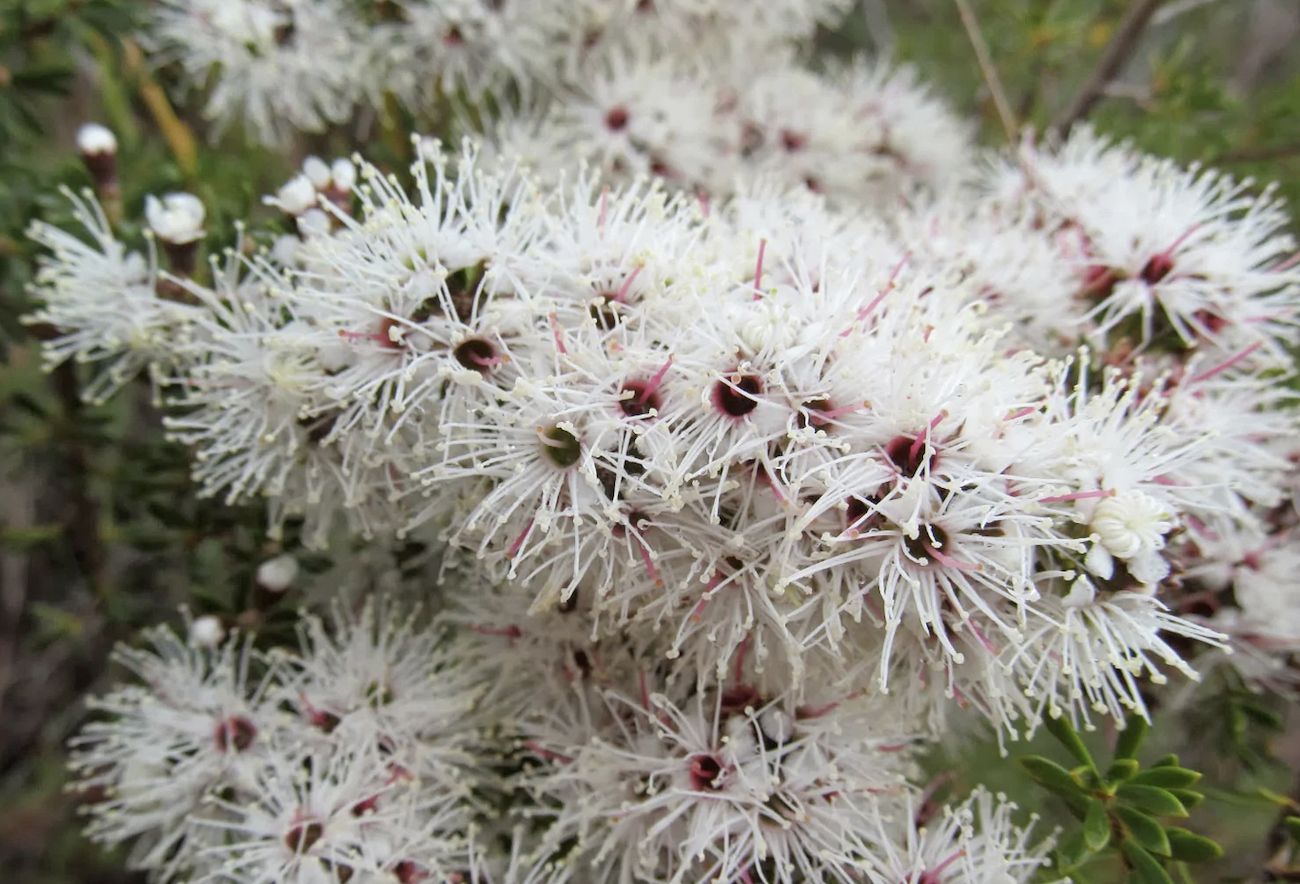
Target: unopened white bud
[
  {"x": 314, "y": 222},
  {"x": 317, "y": 172},
  {"x": 94, "y": 139},
  {"x": 206, "y": 632},
  {"x": 277, "y": 574},
  {"x": 177, "y": 218},
  {"x": 344, "y": 175},
  {"x": 296, "y": 197}
]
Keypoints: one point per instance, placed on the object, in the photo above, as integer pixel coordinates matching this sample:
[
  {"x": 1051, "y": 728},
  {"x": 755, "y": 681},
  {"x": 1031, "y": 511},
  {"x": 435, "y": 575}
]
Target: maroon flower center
[
  {"x": 477, "y": 355},
  {"x": 737, "y": 396},
  {"x": 617, "y": 119},
  {"x": 641, "y": 402},
  {"x": 235, "y": 734},
  {"x": 303, "y": 835},
  {"x": 705, "y": 773},
  {"x": 1157, "y": 269},
  {"x": 910, "y": 454}
]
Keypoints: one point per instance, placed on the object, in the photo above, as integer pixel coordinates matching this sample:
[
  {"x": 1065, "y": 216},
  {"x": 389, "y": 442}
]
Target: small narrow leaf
[
  {"x": 1122, "y": 769},
  {"x": 1071, "y": 851},
  {"x": 1190, "y": 847},
  {"x": 1167, "y": 777},
  {"x": 1069, "y": 738},
  {"x": 1050, "y": 775},
  {"x": 1096, "y": 826},
  {"x": 1152, "y": 799},
  {"x": 1188, "y": 798},
  {"x": 1146, "y": 868},
  {"x": 1143, "y": 829},
  {"x": 1130, "y": 739},
  {"x": 1169, "y": 760}
]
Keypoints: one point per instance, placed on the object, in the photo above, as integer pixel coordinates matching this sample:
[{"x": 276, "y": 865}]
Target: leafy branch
[{"x": 1122, "y": 809}]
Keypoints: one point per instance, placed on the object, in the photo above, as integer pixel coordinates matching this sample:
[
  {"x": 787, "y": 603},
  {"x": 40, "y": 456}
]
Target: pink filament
[
  {"x": 649, "y": 564},
  {"x": 604, "y": 208},
  {"x": 627, "y": 284},
  {"x": 740, "y": 659},
  {"x": 1224, "y": 366},
  {"x": 1027, "y": 410},
  {"x": 758, "y": 271},
  {"x": 833, "y": 413},
  {"x": 519, "y": 541},
  {"x": 555, "y": 331},
  {"x": 920, "y": 440},
  {"x": 507, "y": 632},
  {"x": 655, "y": 381},
  {"x": 949, "y": 561},
  {"x": 704, "y": 599},
  {"x": 486, "y": 360},
  {"x": 1288, "y": 263}
]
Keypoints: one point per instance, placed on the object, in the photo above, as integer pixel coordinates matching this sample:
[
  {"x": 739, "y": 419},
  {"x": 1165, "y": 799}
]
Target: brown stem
[
  {"x": 990, "y": 73},
  {"x": 1116, "y": 53},
  {"x": 83, "y": 526}
]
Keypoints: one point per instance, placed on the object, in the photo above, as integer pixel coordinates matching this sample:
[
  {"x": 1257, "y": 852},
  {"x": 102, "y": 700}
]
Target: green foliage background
[{"x": 100, "y": 532}]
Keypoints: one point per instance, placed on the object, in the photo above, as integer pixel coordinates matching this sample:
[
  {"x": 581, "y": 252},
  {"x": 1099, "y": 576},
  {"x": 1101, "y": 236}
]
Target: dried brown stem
[
  {"x": 990, "y": 73},
  {"x": 1117, "y": 52}
]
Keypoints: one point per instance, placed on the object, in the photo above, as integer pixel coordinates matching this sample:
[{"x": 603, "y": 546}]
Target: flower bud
[
  {"x": 177, "y": 221},
  {"x": 98, "y": 148},
  {"x": 277, "y": 574},
  {"x": 206, "y": 632}
]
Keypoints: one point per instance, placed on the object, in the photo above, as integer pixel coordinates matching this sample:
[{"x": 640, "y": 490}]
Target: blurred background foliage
[{"x": 101, "y": 533}]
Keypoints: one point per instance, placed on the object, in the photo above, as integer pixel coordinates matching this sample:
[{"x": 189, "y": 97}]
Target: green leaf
[
  {"x": 1069, "y": 738},
  {"x": 1146, "y": 868},
  {"x": 1096, "y": 826},
  {"x": 1167, "y": 777},
  {"x": 1170, "y": 760},
  {"x": 30, "y": 535},
  {"x": 1188, "y": 798},
  {"x": 1122, "y": 769},
  {"x": 1190, "y": 847},
  {"x": 1050, "y": 775},
  {"x": 1292, "y": 824},
  {"x": 1130, "y": 739},
  {"x": 1152, "y": 799},
  {"x": 1143, "y": 829}
]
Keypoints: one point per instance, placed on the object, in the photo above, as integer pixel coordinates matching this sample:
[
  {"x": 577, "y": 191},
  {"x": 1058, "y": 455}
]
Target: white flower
[
  {"x": 1132, "y": 526},
  {"x": 177, "y": 218}
]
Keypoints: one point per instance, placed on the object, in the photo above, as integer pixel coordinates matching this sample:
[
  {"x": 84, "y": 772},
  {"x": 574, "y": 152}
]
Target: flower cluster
[
  {"x": 758, "y": 421},
  {"x": 349, "y": 758},
  {"x": 377, "y": 751},
  {"x": 692, "y": 91},
  {"x": 749, "y": 450}
]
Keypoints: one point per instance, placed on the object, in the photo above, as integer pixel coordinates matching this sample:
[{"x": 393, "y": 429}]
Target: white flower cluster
[
  {"x": 696, "y": 91},
  {"x": 742, "y": 475},
  {"x": 761, "y": 422},
  {"x": 382, "y": 750},
  {"x": 350, "y": 760}
]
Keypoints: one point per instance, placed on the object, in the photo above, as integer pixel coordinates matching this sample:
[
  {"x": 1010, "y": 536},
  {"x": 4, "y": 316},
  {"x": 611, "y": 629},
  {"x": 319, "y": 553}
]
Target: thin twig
[
  {"x": 1117, "y": 52},
  {"x": 1260, "y": 154},
  {"x": 986, "y": 68}
]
